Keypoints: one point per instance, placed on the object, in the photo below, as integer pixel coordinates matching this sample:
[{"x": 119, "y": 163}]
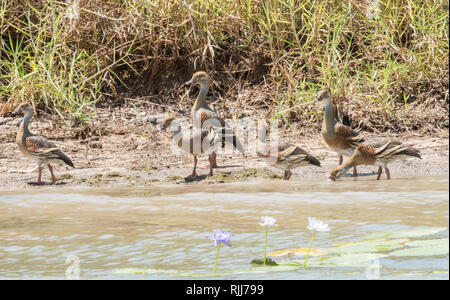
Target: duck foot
[
  {"x": 191, "y": 178},
  {"x": 38, "y": 183}
]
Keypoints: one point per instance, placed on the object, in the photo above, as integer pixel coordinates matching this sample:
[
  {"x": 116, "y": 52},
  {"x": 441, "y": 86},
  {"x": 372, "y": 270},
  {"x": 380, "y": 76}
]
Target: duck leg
[
  {"x": 212, "y": 161},
  {"x": 289, "y": 173},
  {"x": 194, "y": 172},
  {"x": 380, "y": 170},
  {"x": 388, "y": 173},
  {"x": 341, "y": 159},
  {"x": 39, "y": 182},
  {"x": 355, "y": 173},
  {"x": 53, "y": 175},
  {"x": 211, "y": 165}
]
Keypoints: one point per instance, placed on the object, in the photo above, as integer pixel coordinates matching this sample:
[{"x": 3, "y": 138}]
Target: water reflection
[{"x": 166, "y": 227}]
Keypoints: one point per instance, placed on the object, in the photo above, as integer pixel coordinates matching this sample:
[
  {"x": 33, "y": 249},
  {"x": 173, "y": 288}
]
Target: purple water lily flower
[{"x": 220, "y": 236}]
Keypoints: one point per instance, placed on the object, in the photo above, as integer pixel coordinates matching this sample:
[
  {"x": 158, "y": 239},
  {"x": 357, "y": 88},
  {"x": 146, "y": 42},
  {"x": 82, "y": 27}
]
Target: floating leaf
[
  {"x": 273, "y": 269},
  {"x": 428, "y": 248},
  {"x": 368, "y": 246},
  {"x": 297, "y": 252},
  {"x": 435, "y": 243},
  {"x": 416, "y": 232},
  {"x": 346, "y": 260}
]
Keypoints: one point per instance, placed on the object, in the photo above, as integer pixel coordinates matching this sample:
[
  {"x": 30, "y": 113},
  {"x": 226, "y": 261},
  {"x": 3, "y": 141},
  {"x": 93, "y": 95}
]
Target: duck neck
[
  {"x": 329, "y": 119},
  {"x": 177, "y": 135},
  {"x": 25, "y": 122},
  {"x": 261, "y": 141},
  {"x": 201, "y": 98},
  {"x": 175, "y": 127},
  {"x": 342, "y": 169}
]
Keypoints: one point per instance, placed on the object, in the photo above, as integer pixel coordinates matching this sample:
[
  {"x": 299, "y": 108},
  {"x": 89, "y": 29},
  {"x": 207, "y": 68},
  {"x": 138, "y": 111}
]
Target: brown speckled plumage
[
  {"x": 193, "y": 141},
  {"x": 285, "y": 156},
  {"x": 42, "y": 150},
  {"x": 380, "y": 153},
  {"x": 203, "y": 116},
  {"x": 338, "y": 137}
]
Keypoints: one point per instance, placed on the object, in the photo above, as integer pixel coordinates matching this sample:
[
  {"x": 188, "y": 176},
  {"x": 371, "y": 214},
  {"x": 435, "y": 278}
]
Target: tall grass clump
[{"x": 385, "y": 62}]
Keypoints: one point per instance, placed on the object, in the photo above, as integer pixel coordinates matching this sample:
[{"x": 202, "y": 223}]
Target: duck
[
  {"x": 203, "y": 116},
  {"x": 284, "y": 156},
  {"x": 40, "y": 148},
  {"x": 341, "y": 138},
  {"x": 193, "y": 141},
  {"x": 378, "y": 152}
]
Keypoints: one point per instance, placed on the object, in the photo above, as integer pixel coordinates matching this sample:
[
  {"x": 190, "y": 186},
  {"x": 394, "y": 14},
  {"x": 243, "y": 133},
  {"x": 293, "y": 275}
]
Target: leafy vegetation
[{"x": 385, "y": 62}]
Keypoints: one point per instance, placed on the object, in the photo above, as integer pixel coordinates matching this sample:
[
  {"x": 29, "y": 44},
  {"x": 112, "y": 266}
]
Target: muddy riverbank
[{"x": 125, "y": 148}]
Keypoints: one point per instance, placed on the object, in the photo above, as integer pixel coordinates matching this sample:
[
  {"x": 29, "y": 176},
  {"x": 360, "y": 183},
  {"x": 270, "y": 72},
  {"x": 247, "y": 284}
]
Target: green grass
[{"x": 385, "y": 56}]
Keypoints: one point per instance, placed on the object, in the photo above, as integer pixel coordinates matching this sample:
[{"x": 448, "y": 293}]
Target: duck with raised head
[
  {"x": 339, "y": 137},
  {"x": 283, "y": 156},
  {"x": 42, "y": 150},
  {"x": 204, "y": 117},
  {"x": 378, "y": 152},
  {"x": 193, "y": 141}
]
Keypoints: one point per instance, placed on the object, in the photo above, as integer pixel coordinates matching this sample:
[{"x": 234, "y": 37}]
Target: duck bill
[
  {"x": 161, "y": 127},
  {"x": 15, "y": 113},
  {"x": 189, "y": 82}
]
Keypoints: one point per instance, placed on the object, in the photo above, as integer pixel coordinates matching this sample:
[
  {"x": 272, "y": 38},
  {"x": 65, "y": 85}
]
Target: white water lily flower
[
  {"x": 268, "y": 221},
  {"x": 317, "y": 225}
]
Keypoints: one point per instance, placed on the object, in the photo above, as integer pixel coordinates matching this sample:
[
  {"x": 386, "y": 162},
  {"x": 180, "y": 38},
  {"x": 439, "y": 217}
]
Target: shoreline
[{"x": 134, "y": 153}]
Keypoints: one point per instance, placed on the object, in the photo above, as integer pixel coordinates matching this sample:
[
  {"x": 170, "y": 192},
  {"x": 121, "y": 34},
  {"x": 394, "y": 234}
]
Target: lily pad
[
  {"x": 367, "y": 246},
  {"x": 360, "y": 260},
  {"x": 434, "y": 243},
  {"x": 285, "y": 267},
  {"x": 436, "y": 250},
  {"x": 416, "y": 232},
  {"x": 272, "y": 269},
  {"x": 285, "y": 253}
]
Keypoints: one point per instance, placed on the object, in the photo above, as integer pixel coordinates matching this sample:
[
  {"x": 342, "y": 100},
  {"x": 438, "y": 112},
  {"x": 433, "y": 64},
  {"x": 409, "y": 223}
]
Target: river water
[{"x": 94, "y": 233}]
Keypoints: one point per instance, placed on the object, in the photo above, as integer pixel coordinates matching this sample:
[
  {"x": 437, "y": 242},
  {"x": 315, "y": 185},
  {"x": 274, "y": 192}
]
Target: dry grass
[{"x": 385, "y": 62}]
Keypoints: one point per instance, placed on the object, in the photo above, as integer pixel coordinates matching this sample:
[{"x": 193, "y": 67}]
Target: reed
[{"x": 385, "y": 57}]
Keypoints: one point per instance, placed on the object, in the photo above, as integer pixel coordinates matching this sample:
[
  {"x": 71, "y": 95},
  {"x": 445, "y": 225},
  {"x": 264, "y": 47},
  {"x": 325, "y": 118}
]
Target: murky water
[{"x": 47, "y": 231}]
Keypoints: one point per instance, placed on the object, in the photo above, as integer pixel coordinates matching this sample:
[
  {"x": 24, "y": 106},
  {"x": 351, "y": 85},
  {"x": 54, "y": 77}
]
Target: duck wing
[
  {"x": 42, "y": 148},
  {"x": 348, "y": 137}
]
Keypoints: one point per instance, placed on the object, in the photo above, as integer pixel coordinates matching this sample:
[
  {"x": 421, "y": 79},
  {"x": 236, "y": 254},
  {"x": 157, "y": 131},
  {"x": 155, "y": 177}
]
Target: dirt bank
[{"x": 124, "y": 147}]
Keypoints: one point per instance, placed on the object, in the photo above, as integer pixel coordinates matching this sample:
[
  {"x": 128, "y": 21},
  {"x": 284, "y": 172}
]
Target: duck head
[
  {"x": 322, "y": 95},
  {"x": 22, "y": 109},
  {"x": 199, "y": 78}
]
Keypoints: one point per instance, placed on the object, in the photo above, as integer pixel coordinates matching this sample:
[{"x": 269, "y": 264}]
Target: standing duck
[
  {"x": 193, "y": 141},
  {"x": 283, "y": 156},
  {"x": 378, "y": 153},
  {"x": 203, "y": 116},
  {"x": 38, "y": 147},
  {"x": 338, "y": 137}
]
